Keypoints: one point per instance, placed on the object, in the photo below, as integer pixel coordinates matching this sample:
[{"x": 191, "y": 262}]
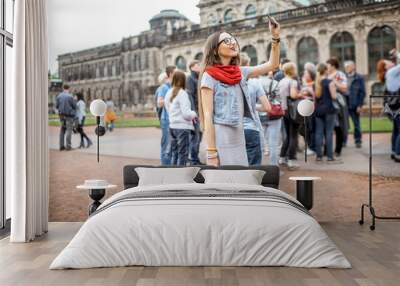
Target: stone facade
[{"x": 127, "y": 71}]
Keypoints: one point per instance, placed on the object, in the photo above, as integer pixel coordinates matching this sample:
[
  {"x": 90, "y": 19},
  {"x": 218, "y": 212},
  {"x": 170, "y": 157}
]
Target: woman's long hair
[
  {"x": 79, "y": 96},
  {"x": 321, "y": 71},
  {"x": 381, "y": 70},
  {"x": 178, "y": 83},
  {"x": 211, "y": 57}
]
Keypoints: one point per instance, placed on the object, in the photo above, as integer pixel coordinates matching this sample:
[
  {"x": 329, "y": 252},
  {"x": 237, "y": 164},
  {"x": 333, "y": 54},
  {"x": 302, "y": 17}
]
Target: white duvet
[{"x": 193, "y": 231}]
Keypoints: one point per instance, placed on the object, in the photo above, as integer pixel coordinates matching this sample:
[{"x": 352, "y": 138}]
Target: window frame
[
  {"x": 178, "y": 65},
  {"x": 228, "y": 11},
  {"x": 250, "y": 11},
  {"x": 300, "y": 63},
  {"x": 341, "y": 45},
  {"x": 6, "y": 40},
  {"x": 251, "y": 51},
  {"x": 378, "y": 41}
]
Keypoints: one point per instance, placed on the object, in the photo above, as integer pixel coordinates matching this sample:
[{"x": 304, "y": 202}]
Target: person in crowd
[
  {"x": 279, "y": 75},
  {"x": 289, "y": 89},
  {"x": 66, "y": 107},
  {"x": 342, "y": 121},
  {"x": 271, "y": 126},
  {"x": 224, "y": 97},
  {"x": 164, "y": 122},
  {"x": 308, "y": 91},
  {"x": 81, "y": 115},
  {"x": 181, "y": 117},
  {"x": 252, "y": 127},
  {"x": 325, "y": 113},
  {"x": 395, "y": 56},
  {"x": 355, "y": 98},
  {"x": 196, "y": 134},
  {"x": 389, "y": 74},
  {"x": 110, "y": 116},
  {"x": 162, "y": 78}
]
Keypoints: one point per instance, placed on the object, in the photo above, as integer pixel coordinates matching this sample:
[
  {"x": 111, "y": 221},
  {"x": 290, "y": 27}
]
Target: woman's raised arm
[{"x": 273, "y": 62}]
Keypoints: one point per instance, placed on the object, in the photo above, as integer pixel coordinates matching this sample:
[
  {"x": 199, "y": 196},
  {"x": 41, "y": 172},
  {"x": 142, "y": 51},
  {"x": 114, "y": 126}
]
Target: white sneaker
[
  {"x": 310, "y": 152},
  {"x": 292, "y": 164},
  {"x": 282, "y": 161}
]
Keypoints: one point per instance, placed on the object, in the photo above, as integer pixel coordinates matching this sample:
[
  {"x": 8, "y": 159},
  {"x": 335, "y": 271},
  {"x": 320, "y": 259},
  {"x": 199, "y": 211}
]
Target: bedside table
[
  {"x": 96, "y": 193},
  {"x": 304, "y": 190}
]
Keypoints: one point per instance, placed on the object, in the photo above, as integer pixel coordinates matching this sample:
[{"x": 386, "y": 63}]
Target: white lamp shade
[
  {"x": 305, "y": 107},
  {"x": 98, "y": 107}
]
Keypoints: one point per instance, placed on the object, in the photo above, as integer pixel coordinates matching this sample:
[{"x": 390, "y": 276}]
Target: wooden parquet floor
[{"x": 375, "y": 257}]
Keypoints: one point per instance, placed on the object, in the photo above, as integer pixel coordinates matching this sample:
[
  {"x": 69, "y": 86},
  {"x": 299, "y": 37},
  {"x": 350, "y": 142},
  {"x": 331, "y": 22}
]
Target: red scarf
[{"x": 227, "y": 74}]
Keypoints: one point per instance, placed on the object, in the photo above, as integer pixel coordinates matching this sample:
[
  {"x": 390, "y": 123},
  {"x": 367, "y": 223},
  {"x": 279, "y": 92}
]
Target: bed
[{"x": 198, "y": 224}]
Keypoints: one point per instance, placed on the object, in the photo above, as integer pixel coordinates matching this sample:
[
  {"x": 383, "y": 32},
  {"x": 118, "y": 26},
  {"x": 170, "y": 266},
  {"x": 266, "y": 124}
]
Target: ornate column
[
  {"x": 361, "y": 47},
  {"x": 323, "y": 45}
]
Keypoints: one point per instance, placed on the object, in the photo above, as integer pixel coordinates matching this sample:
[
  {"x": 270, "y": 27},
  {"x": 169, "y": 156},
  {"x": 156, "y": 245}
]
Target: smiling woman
[{"x": 224, "y": 96}]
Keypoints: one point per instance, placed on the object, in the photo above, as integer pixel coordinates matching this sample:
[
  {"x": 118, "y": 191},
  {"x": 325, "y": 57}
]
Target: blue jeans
[
  {"x": 355, "y": 117},
  {"x": 67, "y": 124},
  {"x": 396, "y": 136},
  {"x": 179, "y": 139},
  {"x": 194, "y": 141},
  {"x": 110, "y": 126},
  {"x": 273, "y": 136},
  {"x": 253, "y": 147},
  {"x": 325, "y": 123},
  {"x": 290, "y": 142},
  {"x": 165, "y": 146}
]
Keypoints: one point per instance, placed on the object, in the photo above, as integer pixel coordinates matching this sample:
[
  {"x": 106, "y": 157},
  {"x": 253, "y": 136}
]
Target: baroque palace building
[{"x": 360, "y": 30}]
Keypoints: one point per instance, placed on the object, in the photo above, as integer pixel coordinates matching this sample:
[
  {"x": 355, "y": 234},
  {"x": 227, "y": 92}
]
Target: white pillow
[
  {"x": 166, "y": 176},
  {"x": 248, "y": 177}
]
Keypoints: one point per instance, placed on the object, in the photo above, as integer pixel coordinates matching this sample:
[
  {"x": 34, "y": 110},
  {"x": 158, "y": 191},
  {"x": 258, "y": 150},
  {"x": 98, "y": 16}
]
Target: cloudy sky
[{"x": 82, "y": 24}]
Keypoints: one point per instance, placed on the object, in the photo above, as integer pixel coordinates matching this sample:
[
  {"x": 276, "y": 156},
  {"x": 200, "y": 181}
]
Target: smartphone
[{"x": 272, "y": 21}]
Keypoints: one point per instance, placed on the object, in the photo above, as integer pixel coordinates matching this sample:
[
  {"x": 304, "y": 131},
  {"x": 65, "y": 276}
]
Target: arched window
[
  {"x": 228, "y": 16},
  {"x": 212, "y": 20},
  {"x": 198, "y": 56},
  {"x": 380, "y": 41},
  {"x": 342, "y": 47},
  {"x": 307, "y": 51},
  {"x": 271, "y": 9},
  {"x": 252, "y": 53},
  {"x": 283, "y": 53},
  {"x": 250, "y": 11},
  {"x": 180, "y": 63}
]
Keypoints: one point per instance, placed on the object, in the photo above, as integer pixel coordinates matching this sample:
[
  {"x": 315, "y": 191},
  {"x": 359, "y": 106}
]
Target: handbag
[{"x": 294, "y": 115}]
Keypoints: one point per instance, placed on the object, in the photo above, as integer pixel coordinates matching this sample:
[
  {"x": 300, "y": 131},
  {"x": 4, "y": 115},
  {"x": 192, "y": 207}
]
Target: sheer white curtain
[{"x": 27, "y": 123}]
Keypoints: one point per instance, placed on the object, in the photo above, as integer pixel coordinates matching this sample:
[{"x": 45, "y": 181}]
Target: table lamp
[
  {"x": 98, "y": 108},
  {"x": 305, "y": 109}
]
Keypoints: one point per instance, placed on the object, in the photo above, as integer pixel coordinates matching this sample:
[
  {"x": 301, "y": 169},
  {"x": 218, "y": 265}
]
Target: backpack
[
  {"x": 391, "y": 105},
  {"x": 273, "y": 97}
]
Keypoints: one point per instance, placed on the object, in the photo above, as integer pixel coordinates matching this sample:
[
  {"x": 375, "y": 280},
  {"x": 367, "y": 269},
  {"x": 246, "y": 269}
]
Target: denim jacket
[{"x": 226, "y": 104}]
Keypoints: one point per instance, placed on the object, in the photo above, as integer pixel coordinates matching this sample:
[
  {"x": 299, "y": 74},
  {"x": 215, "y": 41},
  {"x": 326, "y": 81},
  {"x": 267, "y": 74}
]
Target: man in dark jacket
[
  {"x": 355, "y": 98},
  {"x": 66, "y": 107},
  {"x": 196, "y": 135}
]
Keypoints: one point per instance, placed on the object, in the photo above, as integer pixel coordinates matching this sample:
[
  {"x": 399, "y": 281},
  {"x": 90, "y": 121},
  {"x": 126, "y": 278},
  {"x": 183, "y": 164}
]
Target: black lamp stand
[
  {"x": 100, "y": 131},
  {"x": 370, "y": 205}
]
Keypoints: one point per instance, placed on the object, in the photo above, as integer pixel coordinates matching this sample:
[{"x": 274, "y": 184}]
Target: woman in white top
[
  {"x": 181, "y": 119},
  {"x": 81, "y": 115}
]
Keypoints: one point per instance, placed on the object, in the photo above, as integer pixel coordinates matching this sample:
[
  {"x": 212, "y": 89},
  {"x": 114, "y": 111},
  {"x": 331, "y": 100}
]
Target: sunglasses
[{"x": 228, "y": 41}]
